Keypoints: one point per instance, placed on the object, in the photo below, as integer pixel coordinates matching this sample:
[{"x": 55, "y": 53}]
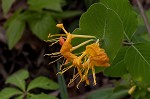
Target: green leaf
[
  {"x": 41, "y": 96},
  {"x": 118, "y": 67},
  {"x": 42, "y": 82},
  {"x": 138, "y": 63},
  {"x": 99, "y": 21},
  {"x": 45, "y": 4},
  {"x": 14, "y": 32},
  {"x": 108, "y": 93},
  {"x": 19, "y": 97},
  {"x": 101, "y": 93},
  {"x": 143, "y": 37},
  {"x": 119, "y": 92},
  {"x": 140, "y": 18},
  {"x": 146, "y": 37},
  {"x": 66, "y": 14},
  {"x": 88, "y": 3},
  {"x": 6, "y": 4},
  {"x": 7, "y": 93},
  {"x": 14, "y": 16},
  {"x": 124, "y": 10},
  {"x": 140, "y": 93},
  {"x": 18, "y": 79},
  {"x": 42, "y": 24}
]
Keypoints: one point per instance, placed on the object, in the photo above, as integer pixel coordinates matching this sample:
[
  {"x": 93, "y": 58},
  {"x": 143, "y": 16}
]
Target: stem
[
  {"x": 144, "y": 16},
  {"x": 128, "y": 43},
  {"x": 62, "y": 85}
]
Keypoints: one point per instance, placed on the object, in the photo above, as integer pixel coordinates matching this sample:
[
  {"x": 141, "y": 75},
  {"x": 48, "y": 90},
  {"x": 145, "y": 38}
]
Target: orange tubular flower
[
  {"x": 92, "y": 56},
  {"x": 97, "y": 55},
  {"x": 66, "y": 49}
]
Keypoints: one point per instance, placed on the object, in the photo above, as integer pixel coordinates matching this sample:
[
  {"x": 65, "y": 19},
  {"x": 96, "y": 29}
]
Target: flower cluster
[{"x": 91, "y": 57}]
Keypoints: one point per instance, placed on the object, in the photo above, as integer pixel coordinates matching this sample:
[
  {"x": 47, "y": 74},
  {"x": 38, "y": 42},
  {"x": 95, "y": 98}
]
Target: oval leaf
[
  {"x": 41, "y": 96},
  {"x": 41, "y": 25},
  {"x": 108, "y": 93},
  {"x": 118, "y": 66},
  {"x": 14, "y": 32},
  {"x": 7, "y": 93},
  {"x": 103, "y": 23},
  {"x": 19, "y": 97},
  {"x": 6, "y": 4},
  {"x": 42, "y": 82},
  {"x": 18, "y": 79},
  {"x": 138, "y": 63},
  {"x": 47, "y": 4},
  {"x": 124, "y": 10}
]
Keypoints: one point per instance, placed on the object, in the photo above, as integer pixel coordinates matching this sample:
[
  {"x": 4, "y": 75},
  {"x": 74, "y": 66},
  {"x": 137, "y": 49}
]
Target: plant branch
[{"x": 143, "y": 16}]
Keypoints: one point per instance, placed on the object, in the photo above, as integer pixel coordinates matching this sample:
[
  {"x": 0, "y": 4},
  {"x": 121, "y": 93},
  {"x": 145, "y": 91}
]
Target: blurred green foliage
[
  {"x": 109, "y": 93},
  {"x": 41, "y": 16},
  {"x": 22, "y": 90}
]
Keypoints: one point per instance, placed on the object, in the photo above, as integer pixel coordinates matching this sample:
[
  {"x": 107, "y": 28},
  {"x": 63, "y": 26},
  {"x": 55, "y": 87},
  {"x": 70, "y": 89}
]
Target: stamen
[
  {"x": 74, "y": 71},
  {"x": 94, "y": 77},
  {"x": 54, "y": 43},
  {"x": 56, "y": 35},
  {"x": 97, "y": 42},
  {"x": 83, "y": 36},
  {"x": 63, "y": 63},
  {"x": 59, "y": 25},
  {"x": 81, "y": 80},
  {"x": 84, "y": 77},
  {"x": 49, "y": 35},
  {"x": 62, "y": 27},
  {"x": 79, "y": 71},
  {"x": 78, "y": 60},
  {"x": 85, "y": 59},
  {"x": 52, "y": 40},
  {"x": 83, "y": 43},
  {"x": 88, "y": 67},
  {"x": 55, "y": 60},
  {"x": 65, "y": 69},
  {"x": 56, "y": 53},
  {"x": 56, "y": 56},
  {"x": 75, "y": 77}
]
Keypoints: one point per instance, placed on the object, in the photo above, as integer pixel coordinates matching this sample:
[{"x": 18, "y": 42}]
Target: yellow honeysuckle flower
[
  {"x": 66, "y": 48},
  {"x": 92, "y": 56},
  {"x": 97, "y": 55}
]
